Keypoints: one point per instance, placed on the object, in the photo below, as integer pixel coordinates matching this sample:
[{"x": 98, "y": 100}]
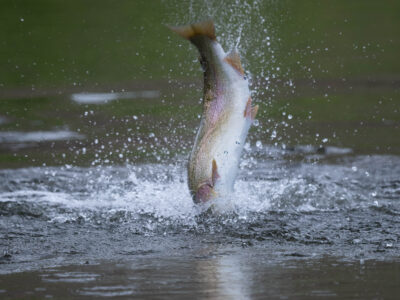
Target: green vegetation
[
  {"x": 30, "y": 114},
  {"x": 355, "y": 107},
  {"x": 337, "y": 39},
  {"x": 341, "y": 56},
  {"x": 51, "y": 43},
  {"x": 67, "y": 43}
]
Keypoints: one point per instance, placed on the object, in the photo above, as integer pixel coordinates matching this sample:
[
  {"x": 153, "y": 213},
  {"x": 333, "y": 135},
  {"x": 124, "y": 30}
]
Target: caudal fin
[{"x": 205, "y": 28}]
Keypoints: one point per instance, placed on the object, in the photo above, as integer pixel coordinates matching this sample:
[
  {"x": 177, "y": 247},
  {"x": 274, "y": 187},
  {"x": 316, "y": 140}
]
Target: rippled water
[
  {"x": 345, "y": 205},
  {"x": 289, "y": 207},
  {"x": 93, "y": 190}
]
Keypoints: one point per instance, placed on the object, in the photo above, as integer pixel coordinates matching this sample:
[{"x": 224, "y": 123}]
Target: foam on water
[
  {"x": 107, "y": 291},
  {"x": 160, "y": 191},
  {"x": 38, "y": 136},
  {"x": 348, "y": 206},
  {"x": 251, "y": 27},
  {"x": 69, "y": 277},
  {"x": 102, "y": 98}
]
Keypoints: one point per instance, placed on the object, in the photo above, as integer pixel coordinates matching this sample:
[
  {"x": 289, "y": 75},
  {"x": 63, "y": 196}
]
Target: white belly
[{"x": 228, "y": 149}]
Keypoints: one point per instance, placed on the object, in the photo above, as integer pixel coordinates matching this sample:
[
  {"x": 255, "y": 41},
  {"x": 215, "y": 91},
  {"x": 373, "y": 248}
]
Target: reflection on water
[
  {"x": 38, "y": 136},
  {"x": 69, "y": 277},
  {"x": 345, "y": 206},
  {"x": 316, "y": 211},
  {"x": 233, "y": 283},
  {"x": 132, "y": 230},
  {"x": 226, "y": 273},
  {"x": 3, "y": 120},
  {"x": 99, "y": 98}
]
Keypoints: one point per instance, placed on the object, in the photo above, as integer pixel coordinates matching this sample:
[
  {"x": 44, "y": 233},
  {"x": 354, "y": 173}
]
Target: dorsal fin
[
  {"x": 233, "y": 59},
  {"x": 205, "y": 28}
]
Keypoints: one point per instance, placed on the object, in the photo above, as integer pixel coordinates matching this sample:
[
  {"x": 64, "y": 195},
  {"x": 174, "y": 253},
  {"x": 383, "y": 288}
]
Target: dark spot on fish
[{"x": 203, "y": 63}]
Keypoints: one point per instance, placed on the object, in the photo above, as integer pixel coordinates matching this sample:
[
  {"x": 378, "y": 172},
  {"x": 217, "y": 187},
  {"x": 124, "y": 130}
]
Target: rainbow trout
[{"x": 227, "y": 116}]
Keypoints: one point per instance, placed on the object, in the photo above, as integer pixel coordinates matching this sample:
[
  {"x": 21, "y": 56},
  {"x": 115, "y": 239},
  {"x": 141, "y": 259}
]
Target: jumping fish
[{"x": 226, "y": 119}]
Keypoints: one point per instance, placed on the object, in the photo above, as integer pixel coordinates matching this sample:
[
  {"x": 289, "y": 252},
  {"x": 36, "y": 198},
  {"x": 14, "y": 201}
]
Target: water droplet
[{"x": 388, "y": 245}]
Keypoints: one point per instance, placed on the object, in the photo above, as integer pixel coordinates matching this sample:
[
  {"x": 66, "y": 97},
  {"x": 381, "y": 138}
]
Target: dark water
[
  {"x": 224, "y": 274},
  {"x": 324, "y": 225},
  {"x": 98, "y": 112}
]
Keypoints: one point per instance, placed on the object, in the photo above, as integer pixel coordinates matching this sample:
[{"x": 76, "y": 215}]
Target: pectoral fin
[
  {"x": 254, "y": 111},
  {"x": 249, "y": 111}
]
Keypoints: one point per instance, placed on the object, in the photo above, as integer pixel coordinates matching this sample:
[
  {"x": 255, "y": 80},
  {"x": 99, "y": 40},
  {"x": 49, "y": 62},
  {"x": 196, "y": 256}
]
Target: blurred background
[
  {"x": 99, "y": 106},
  {"x": 105, "y": 82}
]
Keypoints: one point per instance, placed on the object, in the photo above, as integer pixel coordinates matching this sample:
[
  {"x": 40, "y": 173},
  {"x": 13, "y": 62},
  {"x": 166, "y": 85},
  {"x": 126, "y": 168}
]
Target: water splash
[
  {"x": 159, "y": 192},
  {"x": 252, "y": 28},
  {"x": 336, "y": 204}
]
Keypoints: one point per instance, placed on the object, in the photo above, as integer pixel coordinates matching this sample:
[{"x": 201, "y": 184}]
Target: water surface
[
  {"x": 98, "y": 113},
  {"x": 134, "y": 231}
]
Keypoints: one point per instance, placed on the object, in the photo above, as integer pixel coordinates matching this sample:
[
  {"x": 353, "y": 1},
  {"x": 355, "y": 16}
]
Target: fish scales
[{"x": 226, "y": 119}]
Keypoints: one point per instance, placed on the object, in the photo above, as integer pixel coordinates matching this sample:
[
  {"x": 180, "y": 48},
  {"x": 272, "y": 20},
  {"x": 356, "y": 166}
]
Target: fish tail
[{"x": 189, "y": 32}]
